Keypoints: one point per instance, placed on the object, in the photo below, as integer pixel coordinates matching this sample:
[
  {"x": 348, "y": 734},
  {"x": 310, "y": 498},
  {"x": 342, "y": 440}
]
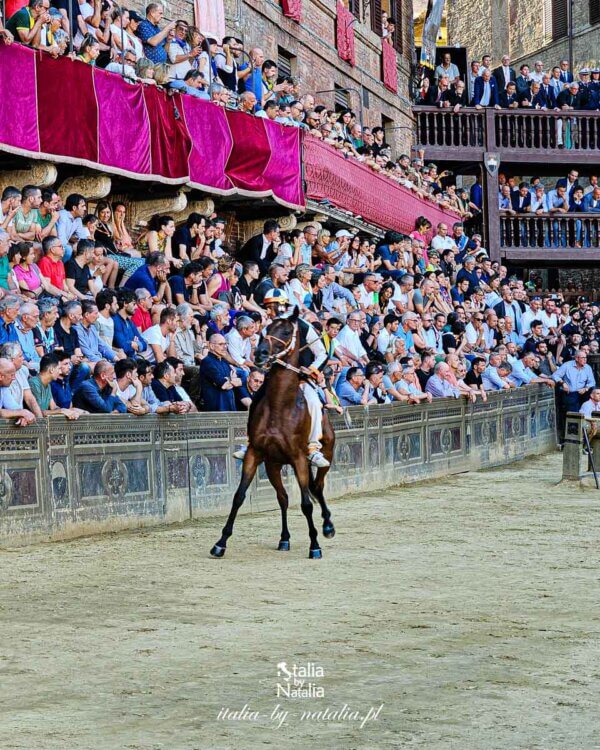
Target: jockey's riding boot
[
  {"x": 317, "y": 459},
  {"x": 240, "y": 453}
]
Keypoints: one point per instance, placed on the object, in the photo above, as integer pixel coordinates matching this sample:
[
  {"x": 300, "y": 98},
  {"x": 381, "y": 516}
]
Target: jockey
[{"x": 312, "y": 357}]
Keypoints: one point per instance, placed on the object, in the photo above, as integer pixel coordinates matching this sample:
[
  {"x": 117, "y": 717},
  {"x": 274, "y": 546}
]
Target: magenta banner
[
  {"x": 67, "y": 111},
  {"x": 352, "y": 186}
]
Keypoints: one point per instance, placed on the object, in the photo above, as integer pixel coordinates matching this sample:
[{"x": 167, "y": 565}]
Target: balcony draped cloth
[
  {"x": 70, "y": 112},
  {"x": 210, "y": 17},
  {"x": 292, "y": 9},
  {"x": 345, "y": 33},
  {"x": 352, "y": 186},
  {"x": 389, "y": 64}
]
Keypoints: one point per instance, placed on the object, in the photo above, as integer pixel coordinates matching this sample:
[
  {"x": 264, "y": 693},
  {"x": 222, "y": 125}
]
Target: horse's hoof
[
  {"x": 284, "y": 546},
  {"x": 328, "y": 530},
  {"x": 315, "y": 554},
  {"x": 217, "y": 551}
]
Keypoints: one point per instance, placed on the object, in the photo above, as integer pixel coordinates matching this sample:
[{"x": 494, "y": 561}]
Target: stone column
[
  {"x": 42, "y": 174},
  {"x": 574, "y": 459}
]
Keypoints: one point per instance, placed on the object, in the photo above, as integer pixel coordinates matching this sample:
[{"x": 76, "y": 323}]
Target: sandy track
[{"x": 470, "y": 612}]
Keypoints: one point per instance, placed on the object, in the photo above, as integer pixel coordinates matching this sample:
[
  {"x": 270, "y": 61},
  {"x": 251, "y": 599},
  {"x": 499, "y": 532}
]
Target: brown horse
[{"x": 278, "y": 430}]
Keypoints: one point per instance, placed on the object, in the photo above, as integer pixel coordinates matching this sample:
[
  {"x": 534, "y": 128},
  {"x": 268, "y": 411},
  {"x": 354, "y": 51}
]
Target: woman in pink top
[
  {"x": 220, "y": 281},
  {"x": 421, "y": 233},
  {"x": 27, "y": 273}
]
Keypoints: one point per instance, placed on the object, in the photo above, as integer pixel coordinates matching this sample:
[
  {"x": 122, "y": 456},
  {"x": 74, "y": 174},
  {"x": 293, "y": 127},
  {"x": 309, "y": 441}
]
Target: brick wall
[
  {"x": 316, "y": 64},
  {"x": 517, "y": 28}
]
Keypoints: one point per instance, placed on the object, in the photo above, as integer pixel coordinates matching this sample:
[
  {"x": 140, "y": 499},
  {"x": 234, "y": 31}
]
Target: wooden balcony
[
  {"x": 522, "y": 135},
  {"x": 558, "y": 240}
]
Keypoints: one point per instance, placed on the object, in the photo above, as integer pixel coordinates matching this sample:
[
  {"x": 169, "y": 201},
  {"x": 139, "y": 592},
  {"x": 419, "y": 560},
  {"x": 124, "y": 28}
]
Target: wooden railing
[
  {"x": 471, "y": 131},
  {"x": 575, "y": 231}
]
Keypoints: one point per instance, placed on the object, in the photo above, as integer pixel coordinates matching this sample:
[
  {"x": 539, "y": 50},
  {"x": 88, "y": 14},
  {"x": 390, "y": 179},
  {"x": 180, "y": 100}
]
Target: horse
[{"x": 278, "y": 430}]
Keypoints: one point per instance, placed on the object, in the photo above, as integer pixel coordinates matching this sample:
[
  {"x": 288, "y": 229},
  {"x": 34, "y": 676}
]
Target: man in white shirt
[
  {"x": 161, "y": 337},
  {"x": 538, "y": 72},
  {"x": 548, "y": 318},
  {"x": 388, "y": 332},
  {"x": 239, "y": 342},
  {"x": 530, "y": 314},
  {"x": 442, "y": 241},
  {"x": 348, "y": 340}
]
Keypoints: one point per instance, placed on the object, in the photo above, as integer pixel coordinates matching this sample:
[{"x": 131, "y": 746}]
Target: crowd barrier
[{"x": 61, "y": 479}]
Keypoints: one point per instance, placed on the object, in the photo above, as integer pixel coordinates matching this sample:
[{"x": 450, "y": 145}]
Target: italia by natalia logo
[{"x": 298, "y": 680}]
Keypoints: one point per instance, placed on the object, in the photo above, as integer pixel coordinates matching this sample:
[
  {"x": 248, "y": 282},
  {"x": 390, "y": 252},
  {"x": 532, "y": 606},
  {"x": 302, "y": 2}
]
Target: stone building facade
[{"x": 526, "y": 30}]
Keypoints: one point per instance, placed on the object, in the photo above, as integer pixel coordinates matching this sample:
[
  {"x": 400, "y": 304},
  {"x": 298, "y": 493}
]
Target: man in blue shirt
[
  {"x": 354, "y": 389},
  {"x": 9, "y": 310},
  {"x": 70, "y": 223},
  {"x": 254, "y": 80},
  {"x": 390, "y": 254},
  {"x": 495, "y": 375},
  {"x": 155, "y": 39},
  {"x": 126, "y": 335},
  {"x": 61, "y": 387},
  {"x": 152, "y": 276},
  {"x": 92, "y": 346},
  {"x": 96, "y": 395},
  {"x": 575, "y": 379}
]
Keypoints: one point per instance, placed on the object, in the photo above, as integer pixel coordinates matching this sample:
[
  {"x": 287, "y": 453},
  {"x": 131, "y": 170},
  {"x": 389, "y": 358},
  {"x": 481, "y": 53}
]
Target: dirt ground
[{"x": 454, "y": 614}]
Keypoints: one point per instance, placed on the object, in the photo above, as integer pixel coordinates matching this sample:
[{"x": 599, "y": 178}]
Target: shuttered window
[
  {"x": 354, "y": 7},
  {"x": 284, "y": 63},
  {"x": 560, "y": 20},
  {"x": 341, "y": 98},
  {"x": 375, "y": 10},
  {"x": 556, "y": 21},
  {"x": 594, "y": 11},
  {"x": 397, "y": 16}
]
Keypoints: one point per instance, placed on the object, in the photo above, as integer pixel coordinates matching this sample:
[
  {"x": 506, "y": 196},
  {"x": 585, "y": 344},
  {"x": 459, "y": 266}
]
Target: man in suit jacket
[
  {"x": 435, "y": 93},
  {"x": 262, "y": 248},
  {"x": 521, "y": 200},
  {"x": 570, "y": 98},
  {"x": 486, "y": 91},
  {"x": 545, "y": 98},
  {"x": 523, "y": 82},
  {"x": 508, "y": 99},
  {"x": 570, "y": 182},
  {"x": 565, "y": 74},
  {"x": 509, "y": 308},
  {"x": 504, "y": 73}
]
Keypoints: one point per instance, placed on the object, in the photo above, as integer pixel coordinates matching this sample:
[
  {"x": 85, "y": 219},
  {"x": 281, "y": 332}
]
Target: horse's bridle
[{"x": 288, "y": 347}]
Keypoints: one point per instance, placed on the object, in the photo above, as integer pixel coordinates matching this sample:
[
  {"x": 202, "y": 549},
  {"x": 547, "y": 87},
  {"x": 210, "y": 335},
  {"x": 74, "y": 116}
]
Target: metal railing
[{"x": 60, "y": 478}]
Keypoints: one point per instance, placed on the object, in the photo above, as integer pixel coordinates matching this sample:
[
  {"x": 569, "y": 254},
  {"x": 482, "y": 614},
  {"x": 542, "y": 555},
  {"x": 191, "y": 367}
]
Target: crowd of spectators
[
  {"x": 503, "y": 87},
  {"x": 179, "y": 57},
  {"x": 93, "y": 321}
]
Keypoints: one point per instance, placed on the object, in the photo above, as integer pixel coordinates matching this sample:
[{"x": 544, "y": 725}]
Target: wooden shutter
[
  {"x": 354, "y": 7},
  {"x": 376, "y": 16},
  {"x": 594, "y": 11},
  {"x": 397, "y": 15},
  {"x": 560, "y": 19}
]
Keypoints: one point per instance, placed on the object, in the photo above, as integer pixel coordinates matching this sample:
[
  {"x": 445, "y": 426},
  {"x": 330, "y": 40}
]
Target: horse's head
[{"x": 279, "y": 341}]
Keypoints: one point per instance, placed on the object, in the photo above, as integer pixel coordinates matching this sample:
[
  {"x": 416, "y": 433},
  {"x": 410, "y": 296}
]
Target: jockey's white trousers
[{"x": 315, "y": 409}]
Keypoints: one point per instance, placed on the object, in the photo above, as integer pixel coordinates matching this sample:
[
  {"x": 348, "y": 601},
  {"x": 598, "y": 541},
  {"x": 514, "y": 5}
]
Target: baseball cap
[
  {"x": 135, "y": 16},
  {"x": 343, "y": 233}
]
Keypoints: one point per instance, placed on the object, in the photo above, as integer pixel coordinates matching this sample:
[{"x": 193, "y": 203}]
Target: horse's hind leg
[
  {"x": 251, "y": 462},
  {"x": 316, "y": 486},
  {"x": 274, "y": 474},
  {"x": 302, "y": 475}
]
